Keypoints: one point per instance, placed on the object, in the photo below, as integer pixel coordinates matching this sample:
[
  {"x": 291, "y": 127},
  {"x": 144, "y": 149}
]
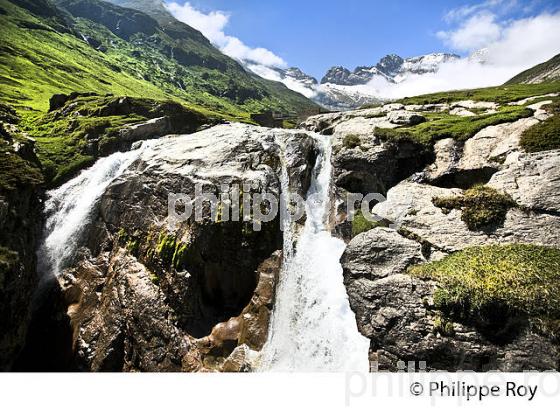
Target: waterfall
[
  {"x": 312, "y": 326},
  {"x": 69, "y": 210}
]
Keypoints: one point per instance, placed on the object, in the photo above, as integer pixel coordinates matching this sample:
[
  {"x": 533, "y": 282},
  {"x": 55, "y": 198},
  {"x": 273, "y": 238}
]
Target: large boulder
[
  {"x": 533, "y": 180},
  {"x": 397, "y": 315},
  {"x": 208, "y": 283},
  {"x": 405, "y": 117},
  {"x": 462, "y": 165}
]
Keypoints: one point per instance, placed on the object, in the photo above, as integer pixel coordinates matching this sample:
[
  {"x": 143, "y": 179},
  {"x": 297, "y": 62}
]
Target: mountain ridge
[{"x": 92, "y": 45}]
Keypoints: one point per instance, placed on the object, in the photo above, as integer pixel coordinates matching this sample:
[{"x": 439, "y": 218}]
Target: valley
[{"x": 107, "y": 112}]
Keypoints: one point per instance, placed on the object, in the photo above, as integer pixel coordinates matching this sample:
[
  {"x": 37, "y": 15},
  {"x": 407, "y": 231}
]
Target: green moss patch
[
  {"x": 490, "y": 284},
  {"x": 360, "y": 224},
  {"x": 443, "y": 125},
  {"x": 351, "y": 141},
  {"x": 16, "y": 172},
  {"x": 482, "y": 207},
  {"x": 545, "y": 135}
]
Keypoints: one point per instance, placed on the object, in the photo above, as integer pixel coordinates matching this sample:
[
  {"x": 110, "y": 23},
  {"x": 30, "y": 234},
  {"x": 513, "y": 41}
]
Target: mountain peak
[{"x": 390, "y": 64}]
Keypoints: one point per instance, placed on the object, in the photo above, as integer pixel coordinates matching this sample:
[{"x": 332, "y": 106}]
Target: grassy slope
[
  {"x": 537, "y": 71},
  {"x": 500, "y": 94},
  {"x": 444, "y": 125},
  {"x": 38, "y": 62}
]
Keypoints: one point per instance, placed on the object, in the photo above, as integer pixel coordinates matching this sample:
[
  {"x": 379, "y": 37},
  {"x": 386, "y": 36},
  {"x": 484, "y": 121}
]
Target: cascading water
[
  {"x": 70, "y": 207},
  {"x": 313, "y": 327}
]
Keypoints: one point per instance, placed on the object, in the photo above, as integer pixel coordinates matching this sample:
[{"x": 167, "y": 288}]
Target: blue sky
[{"x": 317, "y": 34}]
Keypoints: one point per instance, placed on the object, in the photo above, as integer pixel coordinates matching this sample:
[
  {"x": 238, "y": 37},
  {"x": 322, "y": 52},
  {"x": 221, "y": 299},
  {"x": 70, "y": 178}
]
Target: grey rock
[
  {"x": 403, "y": 117},
  {"x": 533, "y": 180},
  {"x": 396, "y": 314},
  {"x": 379, "y": 253},
  {"x": 215, "y": 296}
]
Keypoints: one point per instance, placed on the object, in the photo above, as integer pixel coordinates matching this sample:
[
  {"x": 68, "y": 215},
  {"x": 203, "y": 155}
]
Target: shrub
[
  {"x": 481, "y": 206},
  {"x": 351, "y": 141},
  {"x": 443, "y": 326}
]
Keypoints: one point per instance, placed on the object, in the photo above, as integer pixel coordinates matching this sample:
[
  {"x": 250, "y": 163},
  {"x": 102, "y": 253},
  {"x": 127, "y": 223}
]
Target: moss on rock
[
  {"x": 361, "y": 224},
  {"x": 481, "y": 206},
  {"x": 351, "y": 141},
  {"x": 494, "y": 283},
  {"x": 545, "y": 135}
]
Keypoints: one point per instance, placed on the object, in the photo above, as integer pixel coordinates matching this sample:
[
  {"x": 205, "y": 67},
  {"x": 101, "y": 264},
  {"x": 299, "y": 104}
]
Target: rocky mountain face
[
  {"x": 342, "y": 89},
  {"x": 391, "y": 68},
  {"x": 399, "y": 312},
  {"x": 20, "y": 233},
  {"x": 298, "y": 75}
]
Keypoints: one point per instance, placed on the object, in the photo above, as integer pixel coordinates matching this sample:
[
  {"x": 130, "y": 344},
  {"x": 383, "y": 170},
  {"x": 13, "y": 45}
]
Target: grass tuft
[
  {"x": 545, "y": 135},
  {"x": 497, "y": 282},
  {"x": 482, "y": 207}
]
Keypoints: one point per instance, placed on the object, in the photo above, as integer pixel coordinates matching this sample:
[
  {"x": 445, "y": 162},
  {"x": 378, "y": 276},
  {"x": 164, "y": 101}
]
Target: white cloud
[
  {"x": 271, "y": 74},
  {"x": 212, "y": 25},
  {"x": 477, "y": 32},
  {"x": 521, "y": 44},
  {"x": 494, "y": 6}
]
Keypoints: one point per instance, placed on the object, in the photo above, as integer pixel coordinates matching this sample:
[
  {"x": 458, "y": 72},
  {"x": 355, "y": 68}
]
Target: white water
[
  {"x": 69, "y": 210},
  {"x": 313, "y": 327}
]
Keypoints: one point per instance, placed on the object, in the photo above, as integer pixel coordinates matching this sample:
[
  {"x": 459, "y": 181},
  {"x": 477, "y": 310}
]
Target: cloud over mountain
[{"x": 213, "y": 24}]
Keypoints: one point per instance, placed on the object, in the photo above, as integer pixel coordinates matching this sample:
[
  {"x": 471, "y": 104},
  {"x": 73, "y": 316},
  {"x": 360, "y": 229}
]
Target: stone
[
  {"x": 462, "y": 112},
  {"x": 379, "y": 253},
  {"x": 533, "y": 180},
  {"x": 463, "y": 165},
  {"x": 402, "y": 117}
]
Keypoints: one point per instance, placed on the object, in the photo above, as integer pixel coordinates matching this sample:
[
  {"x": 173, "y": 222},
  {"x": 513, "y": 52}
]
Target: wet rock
[
  {"x": 209, "y": 282},
  {"x": 20, "y": 232}
]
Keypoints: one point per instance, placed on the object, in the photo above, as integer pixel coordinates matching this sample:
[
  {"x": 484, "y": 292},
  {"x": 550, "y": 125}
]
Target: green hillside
[
  {"x": 94, "y": 46},
  {"x": 545, "y": 72}
]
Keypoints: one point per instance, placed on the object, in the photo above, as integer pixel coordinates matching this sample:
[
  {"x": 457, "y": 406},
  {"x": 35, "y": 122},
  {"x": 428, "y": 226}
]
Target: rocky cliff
[
  {"x": 449, "y": 196},
  {"x": 20, "y": 228},
  {"x": 140, "y": 296}
]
